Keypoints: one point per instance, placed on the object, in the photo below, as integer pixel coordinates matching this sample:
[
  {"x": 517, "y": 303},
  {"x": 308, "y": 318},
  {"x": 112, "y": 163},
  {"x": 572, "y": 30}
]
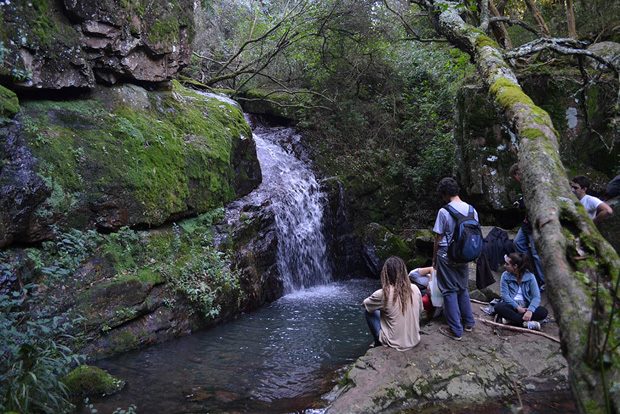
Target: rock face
[
  {"x": 75, "y": 43},
  {"x": 486, "y": 148},
  {"x": 345, "y": 249},
  {"x": 121, "y": 158},
  {"x": 440, "y": 372},
  {"x": 250, "y": 230}
]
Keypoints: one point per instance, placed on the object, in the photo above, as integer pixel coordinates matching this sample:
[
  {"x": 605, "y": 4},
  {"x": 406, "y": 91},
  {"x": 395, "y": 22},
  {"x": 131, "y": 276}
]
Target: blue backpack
[{"x": 467, "y": 241}]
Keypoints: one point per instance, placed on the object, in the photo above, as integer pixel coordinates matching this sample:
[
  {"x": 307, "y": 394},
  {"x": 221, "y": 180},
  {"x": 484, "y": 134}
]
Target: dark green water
[{"x": 278, "y": 359}]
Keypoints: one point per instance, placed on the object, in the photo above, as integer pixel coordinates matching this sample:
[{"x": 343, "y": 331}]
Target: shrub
[{"x": 33, "y": 359}]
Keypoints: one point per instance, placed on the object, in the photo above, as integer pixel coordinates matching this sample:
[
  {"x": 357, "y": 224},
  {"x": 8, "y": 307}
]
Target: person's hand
[
  {"x": 527, "y": 316},
  {"x": 521, "y": 309}
]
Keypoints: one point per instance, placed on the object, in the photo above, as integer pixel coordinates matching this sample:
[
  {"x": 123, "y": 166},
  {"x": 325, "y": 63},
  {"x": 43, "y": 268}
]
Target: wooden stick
[
  {"x": 478, "y": 301},
  {"x": 516, "y": 328}
]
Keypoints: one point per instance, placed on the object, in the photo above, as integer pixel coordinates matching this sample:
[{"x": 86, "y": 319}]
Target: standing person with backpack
[{"x": 458, "y": 240}]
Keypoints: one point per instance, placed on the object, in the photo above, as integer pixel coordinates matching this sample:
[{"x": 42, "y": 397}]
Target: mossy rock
[
  {"x": 87, "y": 381},
  {"x": 389, "y": 244},
  {"x": 9, "y": 104},
  {"x": 41, "y": 47},
  {"x": 117, "y": 160},
  {"x": 264, "y": 102}
]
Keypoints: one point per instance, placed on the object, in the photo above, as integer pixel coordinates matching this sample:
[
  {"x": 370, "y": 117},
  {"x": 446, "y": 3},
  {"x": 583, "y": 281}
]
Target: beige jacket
[{"x": 398, "y": 331}]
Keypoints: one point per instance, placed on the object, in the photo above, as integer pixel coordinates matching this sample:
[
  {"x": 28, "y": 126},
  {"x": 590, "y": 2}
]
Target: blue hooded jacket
[{"x": 529, "y": 289}]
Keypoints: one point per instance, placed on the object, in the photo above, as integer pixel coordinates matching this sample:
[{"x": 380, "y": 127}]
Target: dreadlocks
[{"x": 394, "y": 276}]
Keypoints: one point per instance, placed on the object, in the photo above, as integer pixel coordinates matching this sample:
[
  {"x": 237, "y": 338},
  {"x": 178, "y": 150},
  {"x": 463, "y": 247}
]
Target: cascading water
[
  {"x": 297, "y": 200},
  {"x": 280, "y": 358}
]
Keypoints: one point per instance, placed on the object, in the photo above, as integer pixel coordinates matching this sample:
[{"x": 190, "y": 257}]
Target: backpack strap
[
  {"x": 453, "y": 212},
  {"x": 457, "y": 214}
]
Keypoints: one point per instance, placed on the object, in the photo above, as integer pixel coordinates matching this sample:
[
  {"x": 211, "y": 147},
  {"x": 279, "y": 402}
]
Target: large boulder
[
  {"x": 487, "y": 365},
  {"x": 75, "y": 43},
  {"x": 121, "y": 158}
]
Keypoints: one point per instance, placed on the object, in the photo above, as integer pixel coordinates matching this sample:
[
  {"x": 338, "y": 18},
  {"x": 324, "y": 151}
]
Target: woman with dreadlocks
[{"x": 393, "y": 312}]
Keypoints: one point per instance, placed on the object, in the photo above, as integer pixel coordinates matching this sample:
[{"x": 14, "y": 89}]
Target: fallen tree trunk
[{"x": 581, "y": 268}]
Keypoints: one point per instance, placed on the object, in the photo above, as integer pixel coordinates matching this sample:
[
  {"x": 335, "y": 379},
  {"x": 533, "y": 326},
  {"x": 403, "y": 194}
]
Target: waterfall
[{"x": 297, "y": 201}]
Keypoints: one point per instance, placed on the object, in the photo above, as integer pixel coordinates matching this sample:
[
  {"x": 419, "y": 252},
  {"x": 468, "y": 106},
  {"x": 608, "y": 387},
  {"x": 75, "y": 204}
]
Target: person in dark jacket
[{"x": 520, "y": 304}]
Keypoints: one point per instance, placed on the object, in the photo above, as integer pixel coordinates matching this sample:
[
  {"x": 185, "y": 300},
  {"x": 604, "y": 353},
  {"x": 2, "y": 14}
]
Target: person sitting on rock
[
  {"x": 520, "y": 304},
  {"x": 597, "y": 209},
  {"x": 393, "y": 312},
  {"x": 421, "y": 277}
]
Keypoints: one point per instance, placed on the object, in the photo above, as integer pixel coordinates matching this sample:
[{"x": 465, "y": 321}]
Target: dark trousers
[
  {"x": 373, "y": 319},
  {"x": 507, "y": 312}
]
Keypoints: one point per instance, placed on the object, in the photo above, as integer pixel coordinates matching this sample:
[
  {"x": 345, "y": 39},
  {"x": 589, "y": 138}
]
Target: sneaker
[
  {"x": 533, "y": 325},
  {"x": 469, "y": 328},
  {"x": 489, "y": 310},
  {"x": 448, "y": 332},
  {"x": 505, "y": 321}
]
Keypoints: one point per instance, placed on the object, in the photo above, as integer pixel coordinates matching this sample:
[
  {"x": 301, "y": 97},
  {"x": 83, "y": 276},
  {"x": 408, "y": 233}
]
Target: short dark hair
[
  {"x": 514, "y": 169},
  {"x": 582, "y": 180},
  {"x": 448, "y": 187}
]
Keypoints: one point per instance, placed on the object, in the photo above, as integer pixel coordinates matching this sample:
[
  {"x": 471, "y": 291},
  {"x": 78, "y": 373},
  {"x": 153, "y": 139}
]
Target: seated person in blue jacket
[{"x": 520, "y": 304}]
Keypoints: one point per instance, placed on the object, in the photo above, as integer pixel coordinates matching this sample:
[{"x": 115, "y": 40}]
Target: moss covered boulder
[
  {"x": 125, "y": 157},
  {"x": 380, "y": 243},
  {"x": 90, "y": 381}
]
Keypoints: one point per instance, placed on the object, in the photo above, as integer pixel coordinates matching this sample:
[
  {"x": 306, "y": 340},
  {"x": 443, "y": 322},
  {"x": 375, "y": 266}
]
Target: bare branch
[
  {"x": 198, "y": 55},
  {"x": 563, "y": 46}
]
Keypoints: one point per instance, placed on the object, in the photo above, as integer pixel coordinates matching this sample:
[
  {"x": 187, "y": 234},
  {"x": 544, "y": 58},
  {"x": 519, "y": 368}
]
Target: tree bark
[
  {"x": 570, "y": 19},
  {"x": 581, "y": 268},
  {"x": 498, "y": 28},
  {"x": 544, "y": 30}
]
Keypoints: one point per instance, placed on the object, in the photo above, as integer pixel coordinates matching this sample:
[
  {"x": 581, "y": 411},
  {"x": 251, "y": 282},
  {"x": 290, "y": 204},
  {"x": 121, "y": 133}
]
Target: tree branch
[{"x": 563, "y": 46}]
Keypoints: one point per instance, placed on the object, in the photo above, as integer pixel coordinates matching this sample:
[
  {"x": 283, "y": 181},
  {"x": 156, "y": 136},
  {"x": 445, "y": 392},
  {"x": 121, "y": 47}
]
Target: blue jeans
[
  {"x": 456, "y": 306},
  {"x": 524, "y": 243},
  {"x": 373, "y": 319}
]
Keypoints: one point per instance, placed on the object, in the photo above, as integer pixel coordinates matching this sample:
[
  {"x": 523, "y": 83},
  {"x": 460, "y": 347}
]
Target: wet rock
[
  {"x": 344, "y": 246},
  {"x": 21, "y": 190},
  {"x": 250, "y": 230}
]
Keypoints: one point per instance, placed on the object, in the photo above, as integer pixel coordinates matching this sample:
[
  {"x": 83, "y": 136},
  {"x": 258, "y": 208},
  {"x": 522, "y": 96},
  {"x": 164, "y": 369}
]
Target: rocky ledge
[{"x": 489, "y": 364}]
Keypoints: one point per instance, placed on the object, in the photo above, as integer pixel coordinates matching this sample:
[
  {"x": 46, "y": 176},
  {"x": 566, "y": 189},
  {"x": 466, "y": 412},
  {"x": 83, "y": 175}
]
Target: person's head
[
  {"x": 447, "y": 188},
  {"x": 580, "y": 185},
  {"x": 394, "y": 278},
  {"x": 516, "y": 263},
  {"x": 515, "y": 172}
]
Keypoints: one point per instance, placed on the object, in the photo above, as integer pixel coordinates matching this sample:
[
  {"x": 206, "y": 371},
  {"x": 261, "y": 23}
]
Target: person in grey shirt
[{"x": 452, "y": 278}]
